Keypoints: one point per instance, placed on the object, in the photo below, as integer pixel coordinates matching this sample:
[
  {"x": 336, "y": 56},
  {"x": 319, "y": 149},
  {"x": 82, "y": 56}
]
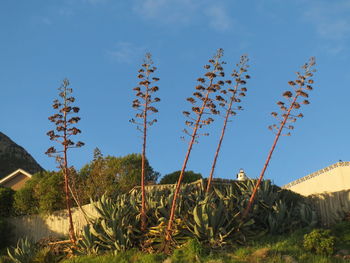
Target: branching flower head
[
  {"x": 144, "y": 103},
  {"x": 236, "y": 89},
  {"x": 203, "y": 100},
  {"x": 294, "y": 98},
  {"x": 64, "y": 121}
]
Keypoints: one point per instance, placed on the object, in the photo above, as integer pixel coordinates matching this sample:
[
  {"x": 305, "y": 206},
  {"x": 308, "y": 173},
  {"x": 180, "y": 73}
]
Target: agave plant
[
  {"x": 24, "y": 252},
  {"x": 88, "y": 244},
  {"x": 117, "y": 225}
]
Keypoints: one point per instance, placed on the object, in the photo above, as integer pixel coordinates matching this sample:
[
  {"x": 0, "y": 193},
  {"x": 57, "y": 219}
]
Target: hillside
[{"x": 13, "y": 156}]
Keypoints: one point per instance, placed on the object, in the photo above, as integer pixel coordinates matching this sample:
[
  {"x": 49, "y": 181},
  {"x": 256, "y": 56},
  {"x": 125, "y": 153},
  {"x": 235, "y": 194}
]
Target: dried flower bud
[
  {"x": 191, "y": 100},
  {"x": 287, "y": 94},
  {"x": 296, "y": 105}
]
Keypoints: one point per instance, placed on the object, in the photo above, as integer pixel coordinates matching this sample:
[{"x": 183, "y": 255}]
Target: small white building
[{"x": 241, "y": 176}]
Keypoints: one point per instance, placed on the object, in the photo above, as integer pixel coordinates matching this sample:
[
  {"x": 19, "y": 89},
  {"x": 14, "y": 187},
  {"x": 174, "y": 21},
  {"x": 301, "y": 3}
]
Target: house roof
[
  {"x": 14, "y": 174},
  {"x": 317, "y": 173}
]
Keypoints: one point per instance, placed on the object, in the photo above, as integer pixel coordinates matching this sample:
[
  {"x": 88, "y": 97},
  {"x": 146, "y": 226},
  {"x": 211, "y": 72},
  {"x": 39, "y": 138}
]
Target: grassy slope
[{"x": 287, "y": 248}]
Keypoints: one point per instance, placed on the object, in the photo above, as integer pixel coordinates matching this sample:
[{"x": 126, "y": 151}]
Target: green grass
[{"x": 268, "y": 249}]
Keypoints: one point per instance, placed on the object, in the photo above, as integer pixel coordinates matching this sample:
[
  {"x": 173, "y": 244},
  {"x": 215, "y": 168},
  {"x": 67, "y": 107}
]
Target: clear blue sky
[{"x": 99, "y": 45}]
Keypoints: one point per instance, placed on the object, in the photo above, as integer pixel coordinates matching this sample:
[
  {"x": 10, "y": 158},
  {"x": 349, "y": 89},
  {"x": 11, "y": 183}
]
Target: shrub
[
  {"x": 189, "y": 177},
  {"x": 319, "y": 241},
  {"x": 43, "y": 193},
  {"x": 113, "y": 175}
]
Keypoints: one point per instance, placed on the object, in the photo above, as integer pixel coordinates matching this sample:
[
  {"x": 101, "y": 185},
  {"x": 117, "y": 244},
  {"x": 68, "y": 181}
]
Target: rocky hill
[{"x": 13, "y": 157}]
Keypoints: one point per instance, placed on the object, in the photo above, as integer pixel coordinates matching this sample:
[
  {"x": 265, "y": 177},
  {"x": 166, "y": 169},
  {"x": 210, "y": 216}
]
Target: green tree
[
  {"x": 172, "y": 178},
  {"x": 42, "y": 194},
  {"x": 98, "y": 179},
  {"x": 113, "y": 175},
  {"x": 24, "y": 199}
]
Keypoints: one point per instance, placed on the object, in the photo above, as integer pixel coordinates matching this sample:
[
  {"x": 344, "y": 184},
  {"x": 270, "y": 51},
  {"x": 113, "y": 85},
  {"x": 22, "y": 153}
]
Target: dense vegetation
[
  {"x": 213, "y": 219},
  {"x": 172, "y": 178},
  {"x": 289, "y": 247},
  {"x": 103, "y": 175}
]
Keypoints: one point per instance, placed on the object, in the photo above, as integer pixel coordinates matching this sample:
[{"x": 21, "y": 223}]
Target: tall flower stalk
[
  {"x": 290, "y": 112},
  {"x": 228, "y": 98},
  {"x": 203, "y": 105},
  {"x": 65, "y": 129},
  {"x": 144, "y": 106}
]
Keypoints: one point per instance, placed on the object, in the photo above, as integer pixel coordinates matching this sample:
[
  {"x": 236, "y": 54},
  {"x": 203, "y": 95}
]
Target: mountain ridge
[{"x": 14, "y": 156}]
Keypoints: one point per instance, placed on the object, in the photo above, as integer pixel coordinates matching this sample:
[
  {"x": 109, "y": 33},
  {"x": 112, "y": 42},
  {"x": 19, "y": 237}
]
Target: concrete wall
[
  {"x": 333, "y": 178},
  {"x": 56, "y": 225}
]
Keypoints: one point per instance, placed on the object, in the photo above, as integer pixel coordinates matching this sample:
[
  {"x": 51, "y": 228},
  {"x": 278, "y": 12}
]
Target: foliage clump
[
  {"x": 172, "y": 178},
  {"x": 41, "y": 194},
  {"x": 212, "y": 219},
  {"x": 320, "y": 241},
  {"x": 112, "y": 175}
]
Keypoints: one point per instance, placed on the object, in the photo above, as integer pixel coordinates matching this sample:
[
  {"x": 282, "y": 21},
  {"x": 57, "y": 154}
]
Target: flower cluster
[
  {"x": 64, "y": 122},
  {"x": 145, "y": 93},
  {"x": 296, "y": 96}
]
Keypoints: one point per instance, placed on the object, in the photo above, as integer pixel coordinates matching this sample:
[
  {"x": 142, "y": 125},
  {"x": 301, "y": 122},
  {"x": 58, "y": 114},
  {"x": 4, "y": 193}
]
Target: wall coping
[{"x": 317, "y": 173}]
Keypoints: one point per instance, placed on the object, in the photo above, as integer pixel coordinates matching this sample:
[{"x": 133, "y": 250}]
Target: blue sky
[{"x": 99, "y": 45}]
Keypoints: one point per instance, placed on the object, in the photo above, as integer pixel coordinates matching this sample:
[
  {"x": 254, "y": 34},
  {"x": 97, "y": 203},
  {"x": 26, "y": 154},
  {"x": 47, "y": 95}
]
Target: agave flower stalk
[
  {"x": 203, "y": 104},
  {"x": 144, "y": 105},
  {"x": 65, "y": 129},
  {"x": 235, "y": 91},
  {"x": 299, "y": 89}
]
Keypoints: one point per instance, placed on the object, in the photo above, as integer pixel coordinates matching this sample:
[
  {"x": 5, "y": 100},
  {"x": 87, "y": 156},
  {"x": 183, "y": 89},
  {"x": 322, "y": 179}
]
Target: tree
[
  {"x": 65, "y": 129},
  {"x": 204, "y": 107},
  {"x": 97, "y": 181},
  {"x": 144, "y": 106},
  {"x": 41, "y": 194},
  {"x": 226, "y": 100},
  {"x": 112, "y": 175},
  {"x": 172, "y": 178},
  {"x": 299, "y": 89}
]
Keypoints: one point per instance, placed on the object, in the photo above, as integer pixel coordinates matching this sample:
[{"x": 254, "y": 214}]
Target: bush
[
  {"x": 319, "y": 241},
  {"x": 43, "y": 193},
  {"x": 113, "y": 175},
  {"x": 172, "y": 178}
]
